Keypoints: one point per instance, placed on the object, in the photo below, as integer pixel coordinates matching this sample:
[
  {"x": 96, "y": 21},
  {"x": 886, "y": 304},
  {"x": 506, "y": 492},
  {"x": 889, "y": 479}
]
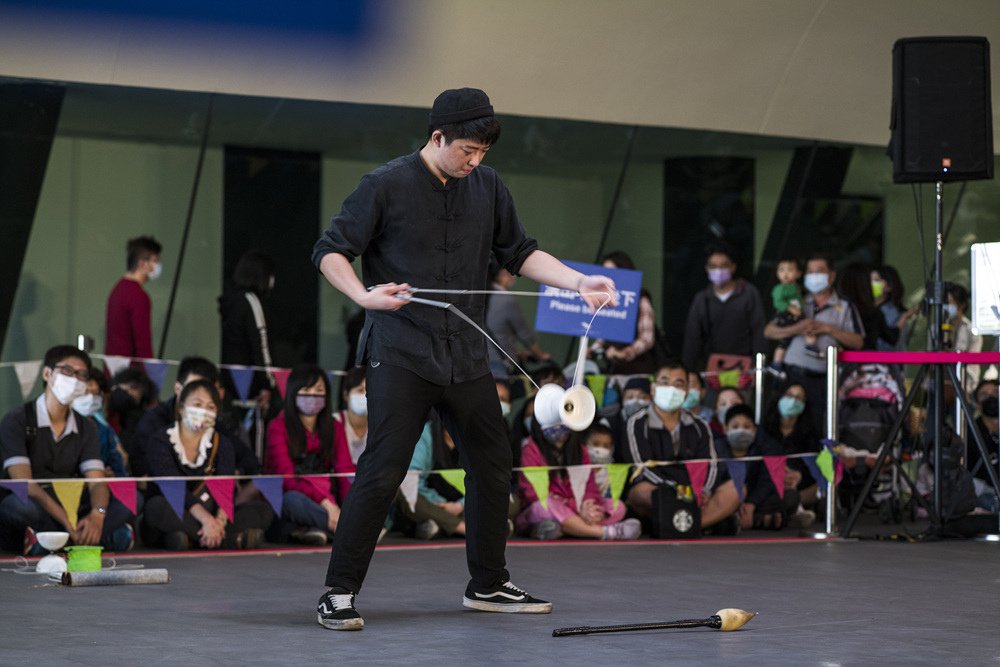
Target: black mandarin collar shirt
[{"x": 409, "y": 227}]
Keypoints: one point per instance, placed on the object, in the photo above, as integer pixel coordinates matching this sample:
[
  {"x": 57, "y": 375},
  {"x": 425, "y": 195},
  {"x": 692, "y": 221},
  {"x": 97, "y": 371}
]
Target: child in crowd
[
  {"x": 300, "y": 442},
  {"x": 725, "y": 399},
  {"x": 595, "y": 517},
  {"x": 787, "y": 299},
  {"x": 600, "y": 449}
]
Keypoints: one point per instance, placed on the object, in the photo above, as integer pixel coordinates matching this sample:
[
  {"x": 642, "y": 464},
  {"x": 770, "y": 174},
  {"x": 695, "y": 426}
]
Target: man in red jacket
[{"x": 129, "y": 333}]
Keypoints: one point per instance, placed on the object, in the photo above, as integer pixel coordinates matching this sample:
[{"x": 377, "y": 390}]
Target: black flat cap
[{"x": 458, "y": 105}]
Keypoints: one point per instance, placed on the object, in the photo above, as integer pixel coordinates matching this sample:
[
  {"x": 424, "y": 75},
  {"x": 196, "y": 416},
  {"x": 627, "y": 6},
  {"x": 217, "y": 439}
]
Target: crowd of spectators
[{"x": 656, "y": 415}]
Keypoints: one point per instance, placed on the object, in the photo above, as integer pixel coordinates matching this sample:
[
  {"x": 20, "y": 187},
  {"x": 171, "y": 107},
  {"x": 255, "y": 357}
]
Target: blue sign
[{"x": 565, "y": 312}]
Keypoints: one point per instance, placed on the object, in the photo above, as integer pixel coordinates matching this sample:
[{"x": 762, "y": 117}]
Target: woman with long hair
[
  {"x": 300, "y": 445},
  {"x": 787, "y": 421}
]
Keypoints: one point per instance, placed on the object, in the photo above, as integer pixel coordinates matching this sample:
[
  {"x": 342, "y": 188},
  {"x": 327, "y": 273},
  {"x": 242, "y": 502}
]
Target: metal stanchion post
[
  {"x": 959, "y": 417},
  {"x": 84, "y": 342},
  {"x": 758, "y": 381},
  {"x": 831, "y": 434}
]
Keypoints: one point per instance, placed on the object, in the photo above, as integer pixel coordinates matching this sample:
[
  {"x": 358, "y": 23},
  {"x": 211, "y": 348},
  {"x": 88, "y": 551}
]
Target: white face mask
[
  {"x": 950, "y": 311},
  {"x": 599, "y": 454},
  {"x": 156, "y": 271},
  {"x": 198, "y": 419},
  {"x": 88, "y": 404},
  {"x": 358, "y": 404},
  {"x": 66, "y": 387},
  {"x": 669, "y": 399}
]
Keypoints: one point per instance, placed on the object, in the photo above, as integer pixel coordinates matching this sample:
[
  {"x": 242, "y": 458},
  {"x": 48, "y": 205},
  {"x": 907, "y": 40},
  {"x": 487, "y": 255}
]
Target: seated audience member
[
  {"x": 91, "y": 405},
  {"x": 596, "y": 517},
  {"x": 666, "y": 432},
  {"x": 506, "y": 323},
  {"x": 693, "y": 402},
  {"x": 988, "y": 425},
  {"x": 727, "y": 317},
  {"x": 795, "y": 434},
  {"x": 132, "y": 393},
  {"x": 191, "y": 447},
  {"x": 637, "y": 356},
  {"x": 828, "y": 316},
  {"x": 439, "y": 506},
  {"x": 300, "y": 442},
  {"x": 635, "y": 398},
  {"x": 725, "y": 399},
  {"x": 762, "y": 507},
  {"x": 46, "y": 439},
  {"x": 350, "y": 429},
  {"x": 600, "y": 445}
]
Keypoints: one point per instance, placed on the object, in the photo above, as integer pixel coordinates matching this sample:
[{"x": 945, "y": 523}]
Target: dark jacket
[
  {"x": 241, "y": 343},
  {"x": 760, "y": 486},
  {"x": 649, "y": 440},
  {"x": 164, "y": 462},
  {"x": 734, "y": 326}
]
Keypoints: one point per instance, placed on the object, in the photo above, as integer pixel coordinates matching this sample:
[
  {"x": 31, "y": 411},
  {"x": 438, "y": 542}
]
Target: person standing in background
[{"x": 128, "y": 332}]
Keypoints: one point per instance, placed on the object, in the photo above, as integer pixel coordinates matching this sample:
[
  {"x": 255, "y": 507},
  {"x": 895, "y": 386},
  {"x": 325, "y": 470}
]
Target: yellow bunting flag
[
  {"x": 596, "y": 384},
  {"x": 455, "y": 477},
  {"x": 617, "y": 474},
  {"x": 538, "y": 477},
  {"x": 68, "y": 494}
]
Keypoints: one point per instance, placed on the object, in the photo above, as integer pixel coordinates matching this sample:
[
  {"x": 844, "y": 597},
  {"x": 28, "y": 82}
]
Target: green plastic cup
[{"x": 83, "y": 559}]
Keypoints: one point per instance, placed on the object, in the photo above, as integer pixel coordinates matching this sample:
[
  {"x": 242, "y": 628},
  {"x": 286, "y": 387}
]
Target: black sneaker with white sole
[
  {"x": 504, "y": 598},
  {"x": 336, "y": 611}
]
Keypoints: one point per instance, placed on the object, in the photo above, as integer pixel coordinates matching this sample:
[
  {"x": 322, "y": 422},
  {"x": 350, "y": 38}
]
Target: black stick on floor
[{"x": 726, "y": 620}]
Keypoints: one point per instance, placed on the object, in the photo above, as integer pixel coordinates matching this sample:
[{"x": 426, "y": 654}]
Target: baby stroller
[{"x": 868, "y": 407}]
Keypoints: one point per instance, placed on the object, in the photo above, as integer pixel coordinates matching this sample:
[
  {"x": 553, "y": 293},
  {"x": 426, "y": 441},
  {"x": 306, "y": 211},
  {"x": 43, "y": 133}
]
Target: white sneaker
[
  {"x": 427, "y": 530},
  {"x": 629, "y": 529}
]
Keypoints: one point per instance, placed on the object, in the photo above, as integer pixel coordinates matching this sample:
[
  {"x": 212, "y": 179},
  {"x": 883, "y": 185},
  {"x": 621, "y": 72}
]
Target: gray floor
[{"x": 819, "y": 603}]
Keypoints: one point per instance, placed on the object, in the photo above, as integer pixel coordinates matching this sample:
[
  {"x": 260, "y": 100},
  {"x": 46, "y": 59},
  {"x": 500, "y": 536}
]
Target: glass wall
[{"x": 123, "y": 163}]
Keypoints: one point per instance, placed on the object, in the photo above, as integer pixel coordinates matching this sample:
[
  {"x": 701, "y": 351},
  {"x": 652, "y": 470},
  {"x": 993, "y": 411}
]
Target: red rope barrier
[{"x": 866, "y": 357}]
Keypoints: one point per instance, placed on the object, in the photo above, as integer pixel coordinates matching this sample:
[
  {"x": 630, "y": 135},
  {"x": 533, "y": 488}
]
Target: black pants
[
  {"x": 159, "y": 519},
  {"x": 398, "y": 404}
]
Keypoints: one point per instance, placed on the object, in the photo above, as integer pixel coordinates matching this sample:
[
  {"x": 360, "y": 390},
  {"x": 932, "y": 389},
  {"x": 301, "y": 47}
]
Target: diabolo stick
[{"x": 726, "y": 620}]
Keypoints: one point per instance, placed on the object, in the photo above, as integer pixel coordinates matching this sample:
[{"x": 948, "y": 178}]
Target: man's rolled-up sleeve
[{"x": 354, "y": 226}]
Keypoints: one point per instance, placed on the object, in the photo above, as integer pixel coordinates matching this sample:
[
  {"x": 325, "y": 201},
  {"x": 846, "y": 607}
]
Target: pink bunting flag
[
  {"x": 17, "y": 487},
  {"x": 697, "y": 472},
  {"x": 776, "y": 469},
  {"x": 839, "y": 474},
  {"x": 281, "y": 379},
  {"x": 173, "y": 491},
  {"x": 222, "y": 491},
  {"x": 271, "y": 489},
  {"x": 124, "y": 491}
]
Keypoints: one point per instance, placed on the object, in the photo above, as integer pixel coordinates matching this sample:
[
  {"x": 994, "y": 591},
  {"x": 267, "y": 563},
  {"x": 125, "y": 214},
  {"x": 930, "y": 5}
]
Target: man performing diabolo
[{"x": 431, "y": 220}]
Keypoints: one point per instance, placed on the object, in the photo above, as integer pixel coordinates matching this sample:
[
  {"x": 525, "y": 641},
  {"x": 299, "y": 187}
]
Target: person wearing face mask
[
  {"x": 300, "y": 442},
  {"x": 635, "y": 398},
  {"x": 667, "y": 432},
  {"x": 958, "y": 336},
  {"x": 47, "y": 439},
  {"x": 761, "y": 507},
  {"x": 91, "y": 405},
  {"x": 128, "y": 329},
  {"x": 725, "y": 399},
  {"x": 350, "y": 428},
  {"x": 695, "y": 396},
  {"x": 595, "y": 517},
  {"x": 600, "y": 445},
  {"x": 192, "y": 447},
  {"x": 787, "y": 421},
  {"x": 727, "y": 317},
  {"x": 639, "y": 356},
  {"x": 988, "y": 424},
  {"x": 832, "y": 319}
]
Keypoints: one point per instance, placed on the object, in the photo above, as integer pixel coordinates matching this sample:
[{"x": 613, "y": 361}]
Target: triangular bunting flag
[
  {"x": 242, "y": 378},
  {"x": 124, "y": 491},
  {"x": 68, "y": 493},
  {"x": 776, "y": 469},
  {"x": 271, "y": 489},
  {"x": 538, "y": 477},
  {"x": 730, "y": 378},
  {"x": 697, "y": 472},
  {"x": 839, "y": 472},
  {"x": 617, "y": 474},
  {"x": 409, "y": 488},
  {"x": 578, "y": 476},
  {"x": 738, "y": 473},
  {"x": 814, "y": 470},
  {"x": 455, "y": 477},
  {"x": 281, "y": 379},
  {"x": 222, "y": 491},
  {"x": 173, "y": 490},
  {"x": 27, "y": 373},
  {"x": 157, "y": 372},
  {"x": 116, "y": 363},
  {"x": 597, "y": 384},
  {"x": 17, "y": 487},
  {"x": 824, "y": 461}
]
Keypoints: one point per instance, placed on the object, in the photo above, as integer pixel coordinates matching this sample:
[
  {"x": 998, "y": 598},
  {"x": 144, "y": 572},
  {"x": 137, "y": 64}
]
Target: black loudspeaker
[{"x": 942, "y": 118}]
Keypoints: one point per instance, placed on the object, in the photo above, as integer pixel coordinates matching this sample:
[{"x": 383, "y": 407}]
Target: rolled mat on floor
[{"x": 116, "y": 577}]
